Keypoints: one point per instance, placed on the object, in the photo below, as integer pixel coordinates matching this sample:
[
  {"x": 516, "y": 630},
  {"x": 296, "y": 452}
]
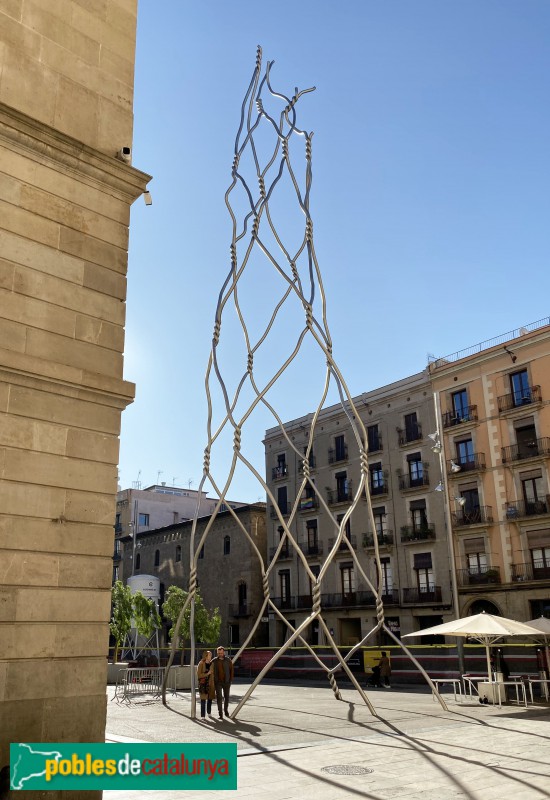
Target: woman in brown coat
[{"x": 205, "y": 678}]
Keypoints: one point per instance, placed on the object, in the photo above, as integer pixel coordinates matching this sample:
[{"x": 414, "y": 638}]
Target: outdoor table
[
  {"x": 471, "y": 680},
  {"x": 456, "y": 684},
  {"x": 518, "y": 685},
  {"x": 544, "y": 683}
]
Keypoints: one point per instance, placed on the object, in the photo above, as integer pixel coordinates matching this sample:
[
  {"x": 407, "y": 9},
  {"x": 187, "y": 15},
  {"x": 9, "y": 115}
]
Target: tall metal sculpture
[{"x": 301, "y": 287}]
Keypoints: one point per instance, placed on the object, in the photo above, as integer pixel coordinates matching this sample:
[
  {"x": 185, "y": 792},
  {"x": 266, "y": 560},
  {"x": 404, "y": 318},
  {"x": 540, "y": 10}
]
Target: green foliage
[
  {"x": 146, "y": 615},
  {"x": 207, "y": 623},
  {"x": 128, "y": 607}
]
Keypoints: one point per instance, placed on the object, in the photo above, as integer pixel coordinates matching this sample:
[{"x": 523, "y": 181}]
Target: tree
[
  {"x": 121, "y": 615},
  {"x": 207, "y": 623}
]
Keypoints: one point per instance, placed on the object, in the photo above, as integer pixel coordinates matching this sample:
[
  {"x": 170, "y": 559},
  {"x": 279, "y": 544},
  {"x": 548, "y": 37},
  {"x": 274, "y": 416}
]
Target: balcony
[
  {"x": 481, "y": 576},
  {"x": 407, "y": 483},
  {"x": 311, "y": 549},
  {"x": 409, "y": 435},
  {"x": 537, "y": 571},
  {"x": 240, "y": 610},
  {"x": 475, "y": 516},
  {"x": 118, "y": 527},
  {"x": 284, "y": 508},
  {"x": 519, "y": 399},
  {"x": 343, "y": 495},
  {"x": 410, "y": 533},
  {"x": 391, "y": 598},
  {"x": 532, "y": 449},
  {"x": 531, "y": 508},
  {"x": 312, "y": 464},
  {"x": 384, "y": 539},
  {"x": 308, "y": 504},
  {"x": 286, "y": 552},
  {"x": 278, "y": 472},
  {"x": 352, "y": 540},
  {"x": 416, "y": 596},
  {"x": 381, "y": 487},
  {"x": 469, "y": 463},
  {"x": 284, "y": 602},
  {"x": 452, "y": 418},
  {"x": 337, "y": 454},
  {"x": 351, "y": 599}
]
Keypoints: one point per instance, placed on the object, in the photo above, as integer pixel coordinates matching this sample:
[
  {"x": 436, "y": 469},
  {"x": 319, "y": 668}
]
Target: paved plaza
[{"x": 290, "y": 736}]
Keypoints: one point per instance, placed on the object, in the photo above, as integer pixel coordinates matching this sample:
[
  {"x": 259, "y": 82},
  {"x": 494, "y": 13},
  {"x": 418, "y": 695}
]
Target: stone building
[
  {"x": 157, "y": 506},
  {"x": 408, "y": 512},
  {"x": 495, "y": 404},
  {"x": 66, "y": 96},
  {"x": 228, "y": 571}
]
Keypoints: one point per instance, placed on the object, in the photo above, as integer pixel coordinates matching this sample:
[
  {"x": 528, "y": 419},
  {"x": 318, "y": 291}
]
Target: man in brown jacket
[{"x": 223, "y": 671}]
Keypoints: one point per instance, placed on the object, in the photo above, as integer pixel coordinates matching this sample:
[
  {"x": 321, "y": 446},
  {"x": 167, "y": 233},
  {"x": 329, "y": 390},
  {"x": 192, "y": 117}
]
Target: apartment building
[
  {"x": 409, "y": 516},
  {"x": 495, "y": 431},
  {"x": 155, "y": 507},
  {"x": 228, "y": 571}
]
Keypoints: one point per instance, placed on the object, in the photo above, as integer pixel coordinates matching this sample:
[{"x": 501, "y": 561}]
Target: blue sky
[{"x": 430, "y": 196}]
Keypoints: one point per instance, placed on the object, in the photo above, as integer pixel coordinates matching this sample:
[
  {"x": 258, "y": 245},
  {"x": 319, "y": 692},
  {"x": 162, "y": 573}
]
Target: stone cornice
[
  {"x": 50, "y": 376},
  {"x": 48, "y": 146}
]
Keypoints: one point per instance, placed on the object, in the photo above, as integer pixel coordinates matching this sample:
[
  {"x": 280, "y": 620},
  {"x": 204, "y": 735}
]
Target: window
[
  {"x": 284, "y": 587},
  {"x": 281, "y": 469},
  {"x": 117, "y": 547},
  {"x": 157, "y": 558},
  {"x": 377, "y": 481},
  {"x": 521, "y": 391},
  {"x": 312, "y": 537},
  {"x": 347, "y": 528},
  {"x": 526, "y": 440},
  {"x": 340, "y": 450},
  {"x": 419, "y": 518},
  {"x": 460, "y": 405},
  {"x": 118, "y": 526},
  {"x": 178, "y": 552},
  {"x": 541, "y": 562},
  {"x": 115, "y": 573},
  {"x": 226, "y": 545},
  {"x": 477, "y": 563},
  {"x": 471, "y": 512},
  {"x": 465, "y": 453},
  {"x": 143, "y": 520},
  {"x": 533, "y": 495},
  {"x": 343, "y": 492},
  {"x": 424, "y": 572},
  {"x": 138, "y": 561},
  {"x": 282, "y": 500},
  {"x": 241, "y": 590},
  {"x": 373, "y": 439},
  {"x": 348, "y": 581},
  {"x": 380, "y": 520},
  {"x": 412, "y": 428},
  {"x": 416, "y": 469},
  {"x": 285, "y": 550},
  {"x": 540, "y": 608},
  {"x": 386, "y": 578},
  {"x": 234, "y": 633},
  {"x": 311, "y": 457}
]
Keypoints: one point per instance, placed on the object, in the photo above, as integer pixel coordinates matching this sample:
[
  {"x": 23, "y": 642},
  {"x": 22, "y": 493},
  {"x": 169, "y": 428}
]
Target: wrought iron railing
[
  {"x": 286, "y": 552},
  {"x": 532, "y": 449},
  {"x": 416, "y": 596},
  {"x": 311, "y": 549},
  {"x": 519, "y": 398},
  {"x": 337, "y": 454},
  {"x": 466, "y": 414},
  {"x": 284, "y": 602},
  {"x": 279, "y": 472},
  {"x": 413, "y": 434},
  {"x": 343, "y": 546},
  {"x": 475, "y": 516},
  {"x": 468, "y": 463},
  {"x": 411, "y": 533},
  {"x": 527, "y": 508},
  {"x": 478, "y": 576},
  {"x": 538, "y": 570},
  {"x": 380, "y": 488},
  {"x": 383, "y": 538},
  {"x": 284, "y": 508},
  {"x": 407, "y": 482},
  {"x": 350, "y": 599},
  {"x": 340, "y": 495}
]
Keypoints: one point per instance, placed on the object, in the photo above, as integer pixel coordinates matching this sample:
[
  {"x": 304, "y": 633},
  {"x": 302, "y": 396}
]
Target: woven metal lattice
[{"x": 251, "y": 201}]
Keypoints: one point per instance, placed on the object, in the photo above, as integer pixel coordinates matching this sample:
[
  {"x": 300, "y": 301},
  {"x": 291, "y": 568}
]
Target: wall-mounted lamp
[
  {"x": 455, "y": 467},
  {"x": 461, "y": 501},
  {"x": 439, "y": 487},
  {"x": 436, "y": 447},
  {"x": 511, "y": 354}
]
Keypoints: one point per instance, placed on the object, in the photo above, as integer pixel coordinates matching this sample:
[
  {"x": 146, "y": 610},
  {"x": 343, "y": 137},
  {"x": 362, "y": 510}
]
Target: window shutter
[
  {"x": 474, "y": 545},
  {"x": 422, "y": 561}
]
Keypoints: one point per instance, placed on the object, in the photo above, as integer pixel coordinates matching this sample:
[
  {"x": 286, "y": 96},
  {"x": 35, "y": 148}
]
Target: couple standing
[{"x": 215, "y": 676}]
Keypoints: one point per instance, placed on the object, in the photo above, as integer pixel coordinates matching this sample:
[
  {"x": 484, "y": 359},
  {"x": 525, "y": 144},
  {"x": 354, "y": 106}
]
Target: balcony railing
[
  {"x": 308, "y": 503},
  {"x": 468, "y": 463},
  {"x": 337, "y": 600},
  {"x": 385, "y": 538},
  {"x": 467, "y": 414},
  {"x": 286, "y": 552},
  {"x": 380, "y": 488},
  {"x": 312, "y": 464},
  {"x": 391, "y": 598},
  {"x": 411, "y": 533},
  {"x": 522, "y": 397},
  {"x": 284, "y": 602},
  {"x": 343, "y": 546},
  {"x": 407, "y": 482},
  {"x": 311, "y": 549},
  {"x": 284, "y": 508},
  {"x": 340, "y": 495},
  {"x": 337, "y": 454},
  {"x": 528, "y": 508},
  {"x": 475, "y": 516},
  {"x": 281, "y": 471},
  {"x": 413, "y": 434},
  {"x": 240, "y": 610},
  {"x": 416, "y": 596},
  {"x": 532, "y": 449},
  {"x": 537, "y": 571},
  {"x": 477, "y": 577},
  {"x": 351, "y": 599}
]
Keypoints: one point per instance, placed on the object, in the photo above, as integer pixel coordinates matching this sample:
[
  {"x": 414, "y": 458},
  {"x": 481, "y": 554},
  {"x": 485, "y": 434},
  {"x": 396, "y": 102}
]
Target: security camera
[{"x": 125, "y": 154}]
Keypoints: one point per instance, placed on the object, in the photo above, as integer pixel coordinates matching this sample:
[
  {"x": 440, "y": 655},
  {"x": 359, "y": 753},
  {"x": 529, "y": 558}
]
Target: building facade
[
  {"x": 228, "y": 571},
  {"x": 408, "y": 515},
  {"x": 495, "y": 415},
  {"x": 66, "y": 96}
]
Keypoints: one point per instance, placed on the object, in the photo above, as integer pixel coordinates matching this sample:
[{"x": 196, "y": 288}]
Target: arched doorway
[{"x": 478, "y": 606}]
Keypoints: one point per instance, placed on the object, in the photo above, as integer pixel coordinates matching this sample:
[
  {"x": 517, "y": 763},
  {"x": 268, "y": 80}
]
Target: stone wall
[{"x": 66, "y": 83}]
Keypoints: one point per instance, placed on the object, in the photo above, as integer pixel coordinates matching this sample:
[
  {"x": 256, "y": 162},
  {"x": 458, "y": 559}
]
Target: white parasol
[
  {"x": 484, "y": 628},
  {"x": 542, "y": 625}
]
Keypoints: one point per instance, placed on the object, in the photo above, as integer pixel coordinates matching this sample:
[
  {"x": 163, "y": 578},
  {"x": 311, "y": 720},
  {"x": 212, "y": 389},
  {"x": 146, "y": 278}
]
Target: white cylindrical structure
[{"x": 148, "y": 585}]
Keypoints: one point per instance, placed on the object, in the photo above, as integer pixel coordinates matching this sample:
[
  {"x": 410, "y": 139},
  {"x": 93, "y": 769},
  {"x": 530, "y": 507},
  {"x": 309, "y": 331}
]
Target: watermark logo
[{"x": 61, "y": 766}]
